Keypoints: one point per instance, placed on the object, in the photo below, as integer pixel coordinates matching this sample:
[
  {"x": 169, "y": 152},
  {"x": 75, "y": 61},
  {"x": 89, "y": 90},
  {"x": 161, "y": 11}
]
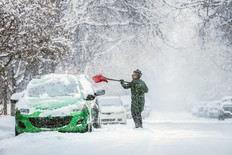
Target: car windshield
[
  {"x": 110, "y": 102},
  {"x": 227, "y": 108},
  {"x": 53, "y": 89}
]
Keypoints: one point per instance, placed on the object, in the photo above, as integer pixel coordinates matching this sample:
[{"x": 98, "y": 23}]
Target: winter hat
[{"x": 138, "y": 73}]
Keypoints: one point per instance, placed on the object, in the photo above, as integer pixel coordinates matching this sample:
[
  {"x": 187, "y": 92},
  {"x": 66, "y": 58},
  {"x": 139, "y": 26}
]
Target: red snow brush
[{"x": 100, "y": 78}]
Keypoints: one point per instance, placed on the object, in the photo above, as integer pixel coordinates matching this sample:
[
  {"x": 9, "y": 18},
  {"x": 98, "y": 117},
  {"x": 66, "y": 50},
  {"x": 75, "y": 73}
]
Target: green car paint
[
  {"x": 76, "y": 121},
  {"x": 53, "y": 103}
]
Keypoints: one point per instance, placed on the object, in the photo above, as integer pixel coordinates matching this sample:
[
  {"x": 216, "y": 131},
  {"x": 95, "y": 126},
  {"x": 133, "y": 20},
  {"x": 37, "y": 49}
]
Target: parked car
[
  {"x": 225, "y": 108},
  {"x": 212, "y": 109},
  {"x": 126, "y": 100},
  {"x": 195, "y": 110},
  {"x": 55, "y": 102},
  {"x": 199, "y": 110},
  {"x": 111, "y": 110}
]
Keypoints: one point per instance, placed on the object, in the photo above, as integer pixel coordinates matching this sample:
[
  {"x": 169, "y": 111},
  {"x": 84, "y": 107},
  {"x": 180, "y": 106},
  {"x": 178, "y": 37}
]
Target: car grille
[
  {"x": 111, "y": 120},
  {"x": 54, "y": 122},
  {"x": 107, "y": 120},
  {"x": 107, "y": 113}
]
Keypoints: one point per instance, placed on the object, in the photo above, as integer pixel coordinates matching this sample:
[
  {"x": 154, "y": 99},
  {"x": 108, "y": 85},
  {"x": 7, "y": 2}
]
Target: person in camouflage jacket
[{"x": 138, "y": 89}]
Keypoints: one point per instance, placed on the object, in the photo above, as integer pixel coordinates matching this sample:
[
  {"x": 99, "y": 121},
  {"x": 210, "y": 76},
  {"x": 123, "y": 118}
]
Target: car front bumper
[
  {"x": 76, "y": 122},
  {"x": 113, "y": 118}
]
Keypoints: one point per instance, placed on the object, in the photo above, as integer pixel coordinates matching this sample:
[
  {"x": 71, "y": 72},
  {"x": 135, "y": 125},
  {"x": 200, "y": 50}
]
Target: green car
[{"x": 56, "y": 102}]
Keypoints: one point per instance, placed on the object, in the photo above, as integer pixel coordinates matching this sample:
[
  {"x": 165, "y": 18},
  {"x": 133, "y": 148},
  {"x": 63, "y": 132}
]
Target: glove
[{"x": 121, "y": 81}]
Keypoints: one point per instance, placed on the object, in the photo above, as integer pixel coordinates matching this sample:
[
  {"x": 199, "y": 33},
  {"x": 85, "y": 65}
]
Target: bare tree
[
  {"x": 100, "y": 26},
  {"x": 31, "y": 43},
  {"x": 215, "y": 27}
]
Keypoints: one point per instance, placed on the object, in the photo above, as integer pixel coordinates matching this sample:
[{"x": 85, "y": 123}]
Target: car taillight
[{"x": 80, "y": 122}]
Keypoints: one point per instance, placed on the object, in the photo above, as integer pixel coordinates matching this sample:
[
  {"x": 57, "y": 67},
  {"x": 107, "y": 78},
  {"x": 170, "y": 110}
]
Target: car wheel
[
  {"x": 16, "y": 132},
  {"x": 221, "y": 118},
  {"x": 96, "y": 125}
]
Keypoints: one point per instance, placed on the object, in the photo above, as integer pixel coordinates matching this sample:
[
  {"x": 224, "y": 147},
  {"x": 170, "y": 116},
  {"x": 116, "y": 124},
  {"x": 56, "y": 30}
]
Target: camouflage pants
[{"x": 136, "y": 115}]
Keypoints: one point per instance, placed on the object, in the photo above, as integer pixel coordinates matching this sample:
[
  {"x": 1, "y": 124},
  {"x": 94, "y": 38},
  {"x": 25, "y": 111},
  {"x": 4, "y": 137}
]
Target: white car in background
[
  {"x": 212, "y": 109},
  {"x": 111, "y": 110},
  {"x": 126, "y": 100},
  {"x": 225, "y": 108},
  {"x": 199, "y": 110}
]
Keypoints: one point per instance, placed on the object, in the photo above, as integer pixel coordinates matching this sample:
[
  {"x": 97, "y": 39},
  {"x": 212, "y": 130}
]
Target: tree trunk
[
  {"x": 13, "y": 108},
  {"x": 5, "y": 100},
  {"x": 13, "y": 91}
]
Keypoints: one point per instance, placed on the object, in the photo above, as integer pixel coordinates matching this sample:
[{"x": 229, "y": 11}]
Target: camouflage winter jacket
[{"x": 138, "y": 88}]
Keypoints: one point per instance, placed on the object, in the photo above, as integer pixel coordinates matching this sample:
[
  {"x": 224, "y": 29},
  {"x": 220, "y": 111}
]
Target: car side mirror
[
  {"x": 14, "y": 101},
  {"x": 90, "y": 97},
  {"x": 99, "y": 92}
]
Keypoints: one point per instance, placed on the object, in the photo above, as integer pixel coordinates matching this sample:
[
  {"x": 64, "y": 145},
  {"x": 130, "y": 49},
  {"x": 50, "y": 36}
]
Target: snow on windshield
[
  {"x": 52, "y": 86},
  {"x": 86, "y": 85}
]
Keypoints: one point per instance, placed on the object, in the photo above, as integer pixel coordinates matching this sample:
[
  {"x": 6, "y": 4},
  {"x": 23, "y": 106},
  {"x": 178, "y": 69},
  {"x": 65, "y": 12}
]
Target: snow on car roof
[
  {"x": 68, "y": 80},
  {"x": 227, "y": 98},
  {"x": 52, "y": 85},
  {"x": 65, "y": 78}
]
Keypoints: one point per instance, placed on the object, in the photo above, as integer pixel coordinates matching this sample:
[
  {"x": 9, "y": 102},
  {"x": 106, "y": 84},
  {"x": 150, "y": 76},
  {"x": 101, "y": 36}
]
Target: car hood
[
  {"x": 112, "y": 109},
  {"x": 53, "y": 102},
  {"x": 55, "y": 106}
]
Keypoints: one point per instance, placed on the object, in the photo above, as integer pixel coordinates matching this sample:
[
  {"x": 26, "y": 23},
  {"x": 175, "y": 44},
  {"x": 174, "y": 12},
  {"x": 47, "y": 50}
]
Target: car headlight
[{"x": 24, "y": 111}]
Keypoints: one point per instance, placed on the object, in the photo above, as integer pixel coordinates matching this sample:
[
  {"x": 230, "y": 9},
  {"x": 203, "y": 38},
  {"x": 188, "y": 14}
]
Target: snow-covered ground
[{"x": 163, "y": 134}]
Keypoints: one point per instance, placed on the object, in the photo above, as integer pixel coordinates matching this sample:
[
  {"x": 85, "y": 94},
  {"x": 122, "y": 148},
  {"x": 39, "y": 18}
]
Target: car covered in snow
[
  {"x": 126, "y": 100},
  {"x": 194, "y": 110},
  {"x": 212, "y": 109},
  {"x": 111, "y": 110},
  {"x": 225, "y": 108},
  {"x": 199, "y": 110},
  {"x": 56, "y": 102}
]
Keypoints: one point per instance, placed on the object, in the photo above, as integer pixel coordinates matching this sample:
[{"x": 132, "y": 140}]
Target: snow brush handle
[{"x": 116, "y": 80}]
